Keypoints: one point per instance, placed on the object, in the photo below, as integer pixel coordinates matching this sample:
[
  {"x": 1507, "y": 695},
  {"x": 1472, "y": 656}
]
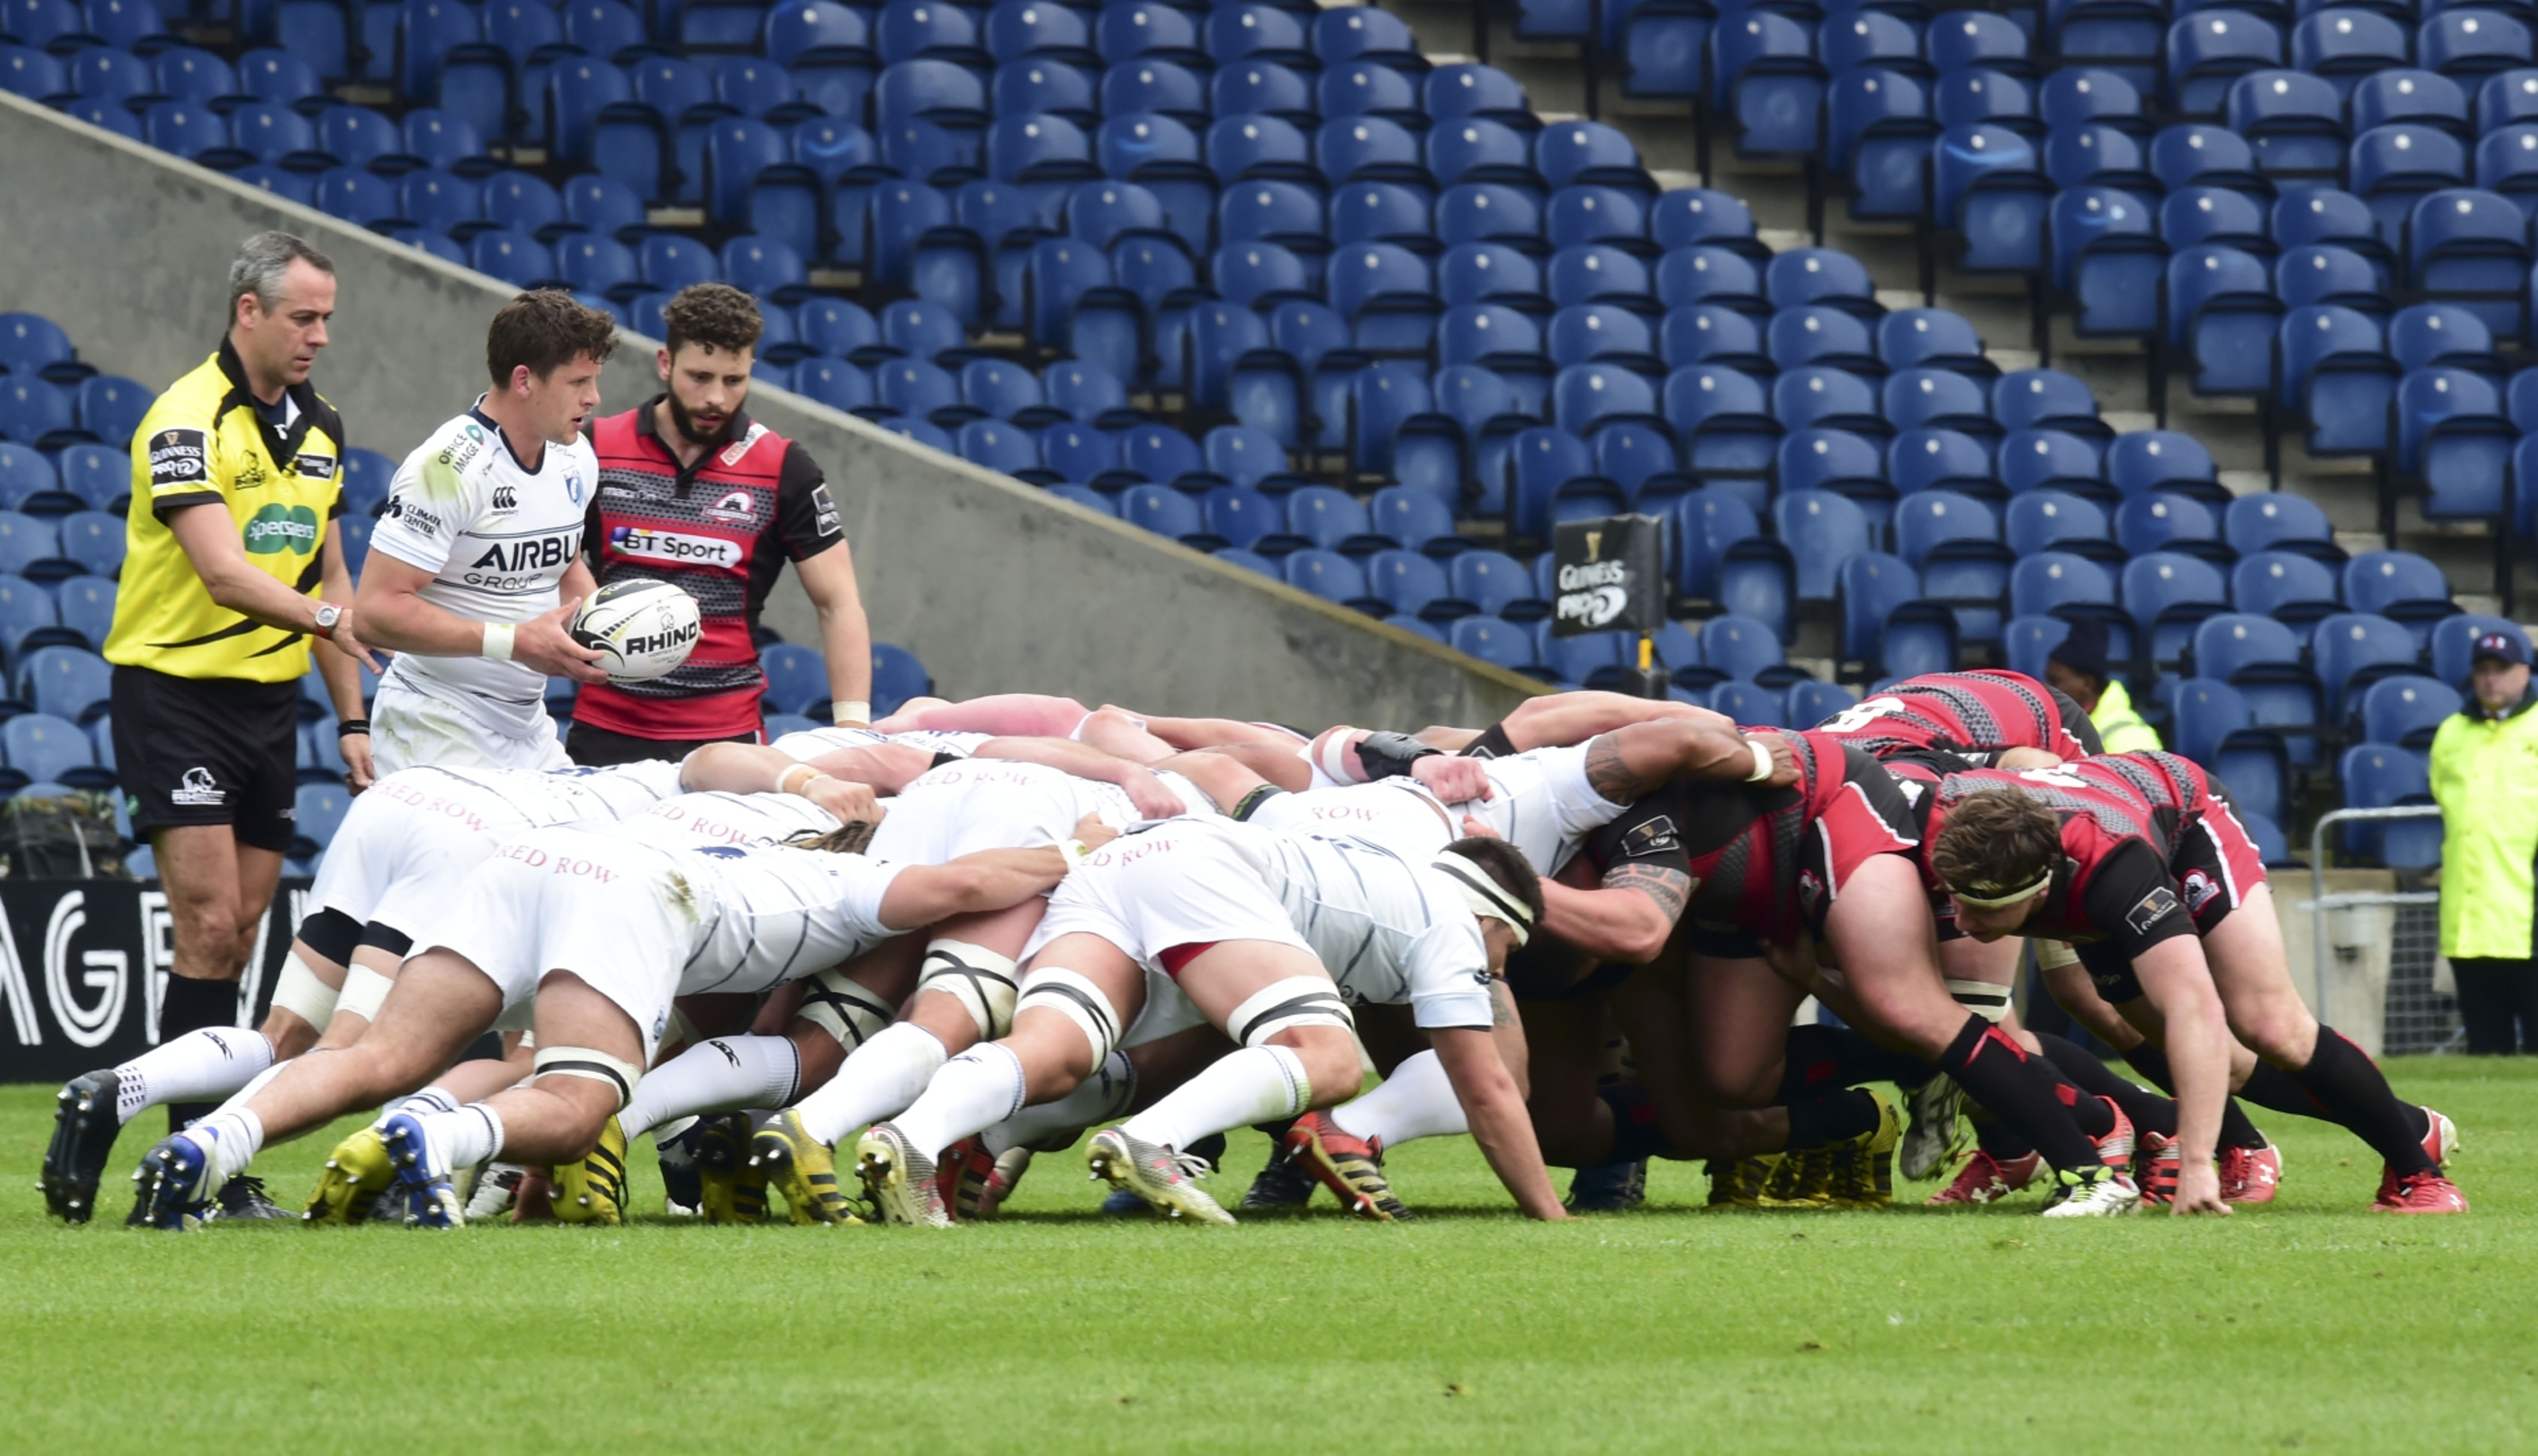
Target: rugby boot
[
  {"x": 1609, "y": 1188},
  {"x": 1349, "y": 1166},
  {"x": 898, "y": 1178},
  {"x": 2156, "y": 1165},
  {"x": 732, "y": 1188},
  {"x": 1934, "y": 1129},
  {"x": 801, "y": 1169},
  {"x": 1738, "y": 1183},
  {"x": 1987, "y": 1179},
  {"x": 1281, "y": 1183},
  {"x": 997, "y": 1186},
  {"x": 242, "y": 1199},
  {"x": 2115, "y": 1149},
  {"x": 683, "y": 1196},
  {"x": 593, "y": 1190},
  {"x": 421, "y": 1175},
  {"x": 2421, "y": 1193},
  {"x": 357, "y": 1173},
  {"x": 1803, "y": 1180},
  {"x": 1863, "y": 1166},
  {"x": 2250, "y": 1175},
  {"x": 965, "y": 1163},
  {"x": 171, "y": 1188},
  {"x": 1166, "y": 1180},
  {"x": 496, "y": 1189},
  {"x": 2440, "y": 1141},
  {"x": 2098, "y": 1193},
  {"x": 84, "y": 1125}
]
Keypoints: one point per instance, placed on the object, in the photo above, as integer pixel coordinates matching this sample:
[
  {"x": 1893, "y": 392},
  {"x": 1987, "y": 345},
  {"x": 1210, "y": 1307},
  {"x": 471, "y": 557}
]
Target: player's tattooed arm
[
  {"x": 1636, "y": 761},
  {"x": 1671, "y": 889},
  {"x": 1502, "y": 1014}
]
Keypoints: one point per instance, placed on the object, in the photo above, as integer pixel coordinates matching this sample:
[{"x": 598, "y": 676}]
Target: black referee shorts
[{"x": 214, "y": 750}]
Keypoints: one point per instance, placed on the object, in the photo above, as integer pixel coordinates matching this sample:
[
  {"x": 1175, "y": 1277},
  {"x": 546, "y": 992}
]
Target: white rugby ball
[{"x": 639, "y": 628}]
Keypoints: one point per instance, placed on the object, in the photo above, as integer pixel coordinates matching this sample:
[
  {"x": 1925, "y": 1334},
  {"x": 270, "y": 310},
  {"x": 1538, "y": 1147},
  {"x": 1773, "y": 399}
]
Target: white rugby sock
[
  {"x": 1258, "y": 1084},
  {"x": 464, "y": 1138},
  {"x": 255, "y": 1085},
  {"x": 212, "y": 1062},
  {"x": 715, "y": 1076},
  {"x": 1104, "y": 1098},
  {"x": 881, "y": 1079},
  {"x": 1415, "y": 1102},
  {"x": 229, "y": 1141},
  {"x": 975, "y": 1090},
  {"x": 425, "y": 1102}
]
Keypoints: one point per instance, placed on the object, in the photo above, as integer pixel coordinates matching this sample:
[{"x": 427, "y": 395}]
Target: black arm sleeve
[
  {"x": 2133, "y": 902},
  {"x": 1390, "y": 755},
  {"x": 806, "y": 515}
]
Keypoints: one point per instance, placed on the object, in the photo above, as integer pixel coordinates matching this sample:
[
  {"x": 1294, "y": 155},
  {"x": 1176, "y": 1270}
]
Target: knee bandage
[
  {"x": 2054, "y": 954},
  {"x": 299, "y": 992},
  {"x": 1281, "y": 1006},
  {"x": 593, "y": 1066},
  {"x": 364, "y": 990},
  {"x": 845, "y": 1011},
  {"x": 982, "y": 981},
  {"x": 1076, "y": 997},
  {"x": 1982, "y": 998}
]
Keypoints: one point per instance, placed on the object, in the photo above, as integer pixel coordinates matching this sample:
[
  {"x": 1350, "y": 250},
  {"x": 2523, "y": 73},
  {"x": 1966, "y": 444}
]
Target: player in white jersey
[
  {"x": 843, "y": 1057},
  {"x": 1267, "y": 936},
  {"x": 476, "y": 568},
  {"x": 600, "y": 935},
  {"x": 399, "y": 854}
]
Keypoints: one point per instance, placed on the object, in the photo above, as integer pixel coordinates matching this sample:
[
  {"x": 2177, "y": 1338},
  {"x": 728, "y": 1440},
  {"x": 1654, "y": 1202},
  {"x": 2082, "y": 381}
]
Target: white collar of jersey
[{"x": 1486, "y": 898}]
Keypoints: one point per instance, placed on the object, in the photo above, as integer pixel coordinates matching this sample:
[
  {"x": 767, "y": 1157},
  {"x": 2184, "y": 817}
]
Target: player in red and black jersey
[
  {"x": 2137, "y": 859},
  {"x": 1818, "y": 870},
  {"x": 1924, "y": 728},
  {"x": 694, "y": 492}
]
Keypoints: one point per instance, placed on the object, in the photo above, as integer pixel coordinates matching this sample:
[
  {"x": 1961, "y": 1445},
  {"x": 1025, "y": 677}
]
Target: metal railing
[{"x": 2415, "y": 1017}]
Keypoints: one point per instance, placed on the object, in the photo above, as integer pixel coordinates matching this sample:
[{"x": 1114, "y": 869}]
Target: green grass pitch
[{"x": 2310, "y": 1324}]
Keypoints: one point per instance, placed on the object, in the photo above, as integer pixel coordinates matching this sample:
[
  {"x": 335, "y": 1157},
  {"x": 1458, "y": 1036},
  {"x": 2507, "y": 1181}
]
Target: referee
[{"x": 234, "y": 563}]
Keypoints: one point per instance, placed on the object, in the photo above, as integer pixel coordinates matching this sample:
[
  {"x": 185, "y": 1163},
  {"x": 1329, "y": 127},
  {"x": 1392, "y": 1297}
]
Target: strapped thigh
[
  {"x": 844, "y": 1009},
  {"x": 982, "y": 981},
  {"x": 1286, "y": 1004},
  {"x": 1075, "y": 997}
]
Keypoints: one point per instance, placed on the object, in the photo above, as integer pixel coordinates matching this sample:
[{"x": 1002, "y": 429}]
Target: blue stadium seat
[
  {"x": 2168, "y": 595},
  {"x": 1500, "y": 643},
  {"x": 69, "y": 682},
  {"x": 1742, "y": 649},
  {"x": 1941, "y": 399},
  {"x": 2053, "y": 460},
  {"x": 2208, "y": 51},
  {"x": 2399, "y": 585},
  {"x": 2392, "y": 167},
  {"x": 2144, "y": 461},
  {"x": 2344, "y": 45},
  {"x": 2071, "y": 587},
  {"x": 2406, "y": 711},
  {"x": 1770, "y": 82},
  {"x": 2294, "y": 122},
  {"x": 2354, "y": 649},
  {"x": 1326, "y": 574},
  {"x": 2337, "y": 374},
  {"x": 46, "y": 749},
  {"x": 2327, "y": 273},
  {"x": 797, "y": 678},
  {"x": 94, "y": 541},
  {"x": 2164, "y": 522},
  {"x": 1822, "y": 530},
  {"x": 1989, "y": 185},
  {"x": 1085, "y": 496},
  {"x": 2386, "y": 775}
]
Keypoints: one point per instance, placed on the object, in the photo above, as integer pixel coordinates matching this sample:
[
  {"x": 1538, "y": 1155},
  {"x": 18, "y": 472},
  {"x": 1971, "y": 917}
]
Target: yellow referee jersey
[{"x": 203, "y": 443}]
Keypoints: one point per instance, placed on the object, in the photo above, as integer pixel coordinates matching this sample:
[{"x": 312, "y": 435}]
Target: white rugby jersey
[
  {"x": 695, "y": 819},
  {"x": 497, "y": 539},
  {"x": 936, "y": 808},
  {"x": 1387, "y": 928},
  {"x": 811, "y": 743},
  {"x": 768, "y": 914},
  {"x": 1541, "y": 803},
  {"x": 1398, "y": 814},
  {"x": 512, "y": 797}
]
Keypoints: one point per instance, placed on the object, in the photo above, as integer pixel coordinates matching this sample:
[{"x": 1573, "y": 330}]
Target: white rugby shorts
[{"x": 410, "y": 729}]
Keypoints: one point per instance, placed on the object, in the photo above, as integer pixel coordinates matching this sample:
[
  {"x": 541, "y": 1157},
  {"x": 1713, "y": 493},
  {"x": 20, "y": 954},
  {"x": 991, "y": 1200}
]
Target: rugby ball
[{"x": 640, "y": 629}]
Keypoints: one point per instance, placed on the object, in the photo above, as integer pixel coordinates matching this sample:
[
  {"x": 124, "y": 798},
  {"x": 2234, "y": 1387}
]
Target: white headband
[
  {"x": 2001, "y": 900},
  {"x": 1485, "y": 897}
]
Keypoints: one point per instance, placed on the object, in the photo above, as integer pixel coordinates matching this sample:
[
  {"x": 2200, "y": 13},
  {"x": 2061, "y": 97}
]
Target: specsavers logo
[{"x": 292, "y": 528}]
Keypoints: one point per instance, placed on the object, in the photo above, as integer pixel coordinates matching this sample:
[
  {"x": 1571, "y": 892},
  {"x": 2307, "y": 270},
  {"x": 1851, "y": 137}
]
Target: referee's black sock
[
  {"x": 1818, "y": 1121},
  {"x": 2149, "y": 1111},
  {"x": 1996, "y": 1072},
  {"x": 1822, "y": 1060},
  {"x": 190, "y": 1006},
  {"x": 2270, "y": 1086},
  {"x": 2351, "y": 1090}
]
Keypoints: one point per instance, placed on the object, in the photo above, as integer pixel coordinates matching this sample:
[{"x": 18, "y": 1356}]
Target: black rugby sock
[
  {"x": 1635, "y": 1134},
  {"x": 2150, "y": 1112},
  {"x": 1827, "y": 1059},
  {"x": 1821, "y": 1120},
  {"x": 191, "y": 1006},
  {"x": 1995, "y": 1137},
  {"x": 2151, "y": 1061},
  {"x": 1996, "y": 1072},
  {"x": 2350, "y": 1089}
]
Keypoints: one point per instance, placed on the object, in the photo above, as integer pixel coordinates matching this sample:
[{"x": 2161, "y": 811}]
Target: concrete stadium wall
[{"x": 995, "y": 585}]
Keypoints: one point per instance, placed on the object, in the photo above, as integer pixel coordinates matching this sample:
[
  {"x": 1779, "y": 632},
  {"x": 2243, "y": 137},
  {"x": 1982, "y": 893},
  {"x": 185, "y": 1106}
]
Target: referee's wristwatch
[{"x": 328, "y": 614}]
